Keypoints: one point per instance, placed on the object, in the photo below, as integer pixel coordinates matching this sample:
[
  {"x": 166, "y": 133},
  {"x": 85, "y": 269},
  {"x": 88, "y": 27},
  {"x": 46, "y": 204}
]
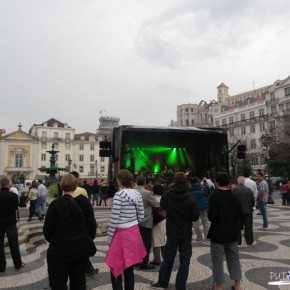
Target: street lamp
[{"x": 266, "y": 141}]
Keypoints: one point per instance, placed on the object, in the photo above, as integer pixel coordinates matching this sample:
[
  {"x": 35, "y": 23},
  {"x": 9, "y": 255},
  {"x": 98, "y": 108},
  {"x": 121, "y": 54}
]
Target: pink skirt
[{"x": 127, "y": 249}]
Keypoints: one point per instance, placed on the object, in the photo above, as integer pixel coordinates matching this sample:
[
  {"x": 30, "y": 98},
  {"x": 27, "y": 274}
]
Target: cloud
[{"x": 206, "y": 30}]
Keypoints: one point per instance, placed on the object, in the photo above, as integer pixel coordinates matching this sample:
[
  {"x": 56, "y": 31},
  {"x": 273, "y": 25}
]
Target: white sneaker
[{"x": 263, "y": 229}]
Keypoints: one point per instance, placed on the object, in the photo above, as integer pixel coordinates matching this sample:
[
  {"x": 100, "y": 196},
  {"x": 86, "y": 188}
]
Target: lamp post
[{"x": 266, "y": 140}]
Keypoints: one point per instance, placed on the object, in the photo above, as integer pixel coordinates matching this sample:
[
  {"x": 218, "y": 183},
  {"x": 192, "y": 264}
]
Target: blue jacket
[{"x": 200, "y": 195}]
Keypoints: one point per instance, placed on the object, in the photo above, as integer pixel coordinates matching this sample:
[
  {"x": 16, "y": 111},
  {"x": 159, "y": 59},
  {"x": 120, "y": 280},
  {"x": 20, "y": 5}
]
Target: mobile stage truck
[{"x": 162, "y": 151}]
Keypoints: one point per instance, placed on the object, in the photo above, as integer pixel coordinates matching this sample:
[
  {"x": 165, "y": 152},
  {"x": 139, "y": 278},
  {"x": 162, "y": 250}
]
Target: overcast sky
[{"x": 76, "y": 60}]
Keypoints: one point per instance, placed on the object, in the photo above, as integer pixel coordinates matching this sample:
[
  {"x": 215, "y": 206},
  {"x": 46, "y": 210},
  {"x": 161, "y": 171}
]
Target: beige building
[{"x": 252, "y": 116}]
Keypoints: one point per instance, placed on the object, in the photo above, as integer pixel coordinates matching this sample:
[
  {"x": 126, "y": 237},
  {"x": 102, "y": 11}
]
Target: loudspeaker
[
  {"x": 104, "y": 153},
  {"x": 105, "y": 145}
]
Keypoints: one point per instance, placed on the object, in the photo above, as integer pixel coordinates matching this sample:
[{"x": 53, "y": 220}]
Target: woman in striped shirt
[{"x": 126, "y": 247}]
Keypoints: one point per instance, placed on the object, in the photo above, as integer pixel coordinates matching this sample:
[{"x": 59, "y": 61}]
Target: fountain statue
[{"x": 53, "y": 169}]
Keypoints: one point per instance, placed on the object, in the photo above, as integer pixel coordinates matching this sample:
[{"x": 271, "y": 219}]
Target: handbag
[{"x": 159, "y": 214}]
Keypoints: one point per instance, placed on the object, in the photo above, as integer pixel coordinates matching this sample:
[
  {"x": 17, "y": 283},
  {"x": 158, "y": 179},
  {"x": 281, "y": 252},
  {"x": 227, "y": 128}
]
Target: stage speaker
[
  {"x": 105, "y": 144},
  {"x": 104, "y": 153}
]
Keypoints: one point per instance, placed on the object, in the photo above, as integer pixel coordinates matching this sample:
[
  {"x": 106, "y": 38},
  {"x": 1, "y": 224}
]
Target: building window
[
  {"x": 92, "y": 158},
  {"x": 81, "y": 168},
  {"x": 243, "y": 118},
  {"x": 273, "y": 111},
  {"x": 55, "y": 146},
  {"x": 43, "y": 145},
  {"x": 92, "y": 168},
  {"x": 253, "y": 144},
  {"x": 252, "y": 115},
  {"x": 81, "y": 157},
  {"x": 231, "y": 132},
  {"x": 102, "y": 159},
  {"x": 67, "y": 136},
  {"x": 187, "y": 122},
  {"x": 67, "y": 157},
  {"x": 102, "y": 169},
  {"x": 224, "y": 122},
  {"x": 67, "y": 146},
  {"x": 43, "y": 157},
  {"x": 55, "y": 135},
  {"x": 287, "y": 91},
  {"x": 217, "y": 123},
  {"x": 18, "y": 160},
  {"x": 92, "y": 147},
  {"x": 191, "y": 110},
  {"x": 272, "y": 125},
  {"x": 253, "y": 128},
  {"x": 261, "y": 112},
  {"x": 231, "y": 120},
  {"x": 192, "y": 122},
  {"x": 186, "y": 110},
  {"x": 243, "y": 130},
  {"x": 272, "y": 96},
  {"x": 254, "y": 160},
  {"x": 262, "y": 127},
  {"x": 81, "y": 146},
  {"x": 43, "y": 134}
]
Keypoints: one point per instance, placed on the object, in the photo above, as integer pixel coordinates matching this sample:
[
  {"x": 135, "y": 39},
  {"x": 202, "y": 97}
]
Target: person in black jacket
[
  {"x": 8, "y": 208},
  {"x": 225, "y": 212},
  {"x": 246, "y": 197},
  {"x": 69, "y": 225},
  {"x": 181, "y": 212}
]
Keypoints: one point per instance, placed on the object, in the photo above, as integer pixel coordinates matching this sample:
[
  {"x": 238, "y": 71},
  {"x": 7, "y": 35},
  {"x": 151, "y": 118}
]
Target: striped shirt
[{"x": 127, "y": 211}]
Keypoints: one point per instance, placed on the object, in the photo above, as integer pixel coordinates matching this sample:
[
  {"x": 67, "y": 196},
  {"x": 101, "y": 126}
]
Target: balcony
[
  {"x": 54, "y": 139},
  {"x": 272, "y": 102},
  {"x": 18, "y": 169},
  {"x": 91, "y": 173}
]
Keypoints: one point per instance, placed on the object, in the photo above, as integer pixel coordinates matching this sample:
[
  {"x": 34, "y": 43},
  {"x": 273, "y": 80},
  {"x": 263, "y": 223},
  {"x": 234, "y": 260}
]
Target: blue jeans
[
  {"x": 40, "y": 206},
  {"x": 185, "y": 251},
  {"x": 12, "y": 236},
  {"x": 263, "y": 210}
]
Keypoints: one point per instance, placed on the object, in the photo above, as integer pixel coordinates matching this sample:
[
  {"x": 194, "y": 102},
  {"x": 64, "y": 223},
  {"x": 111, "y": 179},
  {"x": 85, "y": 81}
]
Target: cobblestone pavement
[{"x": 265, "y": 261}]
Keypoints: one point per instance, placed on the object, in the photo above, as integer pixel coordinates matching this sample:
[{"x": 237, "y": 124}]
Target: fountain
[{"x": 53, "y": 169}]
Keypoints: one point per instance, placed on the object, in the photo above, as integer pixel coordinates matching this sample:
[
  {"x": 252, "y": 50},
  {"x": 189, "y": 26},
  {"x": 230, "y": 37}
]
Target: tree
[
  {"x": 279, "y": 159},
  {"x": 243, "y": 166}
]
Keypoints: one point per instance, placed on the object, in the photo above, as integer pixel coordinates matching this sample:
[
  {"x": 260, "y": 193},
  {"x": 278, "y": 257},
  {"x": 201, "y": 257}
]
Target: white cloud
[{"x": 136, "y": 59}]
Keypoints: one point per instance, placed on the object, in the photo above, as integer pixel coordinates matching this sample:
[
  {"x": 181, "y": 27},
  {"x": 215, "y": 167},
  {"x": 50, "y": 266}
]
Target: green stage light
[
  {"x": 182, "y": 159},
  {"x": 156, "y": 168},
  {"x": 172, "y": 158},
  {"x": 128, "y": 163}
]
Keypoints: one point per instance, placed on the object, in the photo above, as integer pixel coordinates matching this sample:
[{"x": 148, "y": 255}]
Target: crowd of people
[{"x": 223, "y": 210}]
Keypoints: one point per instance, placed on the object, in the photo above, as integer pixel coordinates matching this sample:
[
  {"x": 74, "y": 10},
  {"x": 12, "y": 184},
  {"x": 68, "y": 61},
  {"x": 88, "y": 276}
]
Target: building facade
[
  {"x": 251, "y": 117},
  {"x": 23, "y": 155},
  {"x": 18, "y": 155}
]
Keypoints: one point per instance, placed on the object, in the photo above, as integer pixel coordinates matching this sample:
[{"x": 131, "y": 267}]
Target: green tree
[
  {"x": 278, "y": 160},
  {"x": 53, "y": 190},
  {"x": 243, "y": 166}
]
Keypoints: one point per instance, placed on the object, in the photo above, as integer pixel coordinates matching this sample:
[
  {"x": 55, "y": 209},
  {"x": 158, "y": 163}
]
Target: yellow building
[{"x": 18, "y": 155}]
